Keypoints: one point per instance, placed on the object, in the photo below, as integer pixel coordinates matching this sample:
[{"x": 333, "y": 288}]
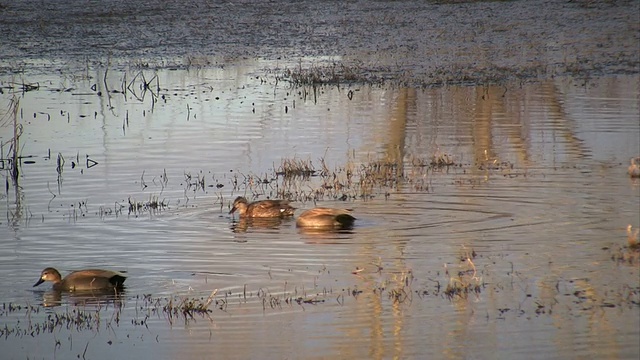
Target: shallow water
[{"x": 538, "y": 200}]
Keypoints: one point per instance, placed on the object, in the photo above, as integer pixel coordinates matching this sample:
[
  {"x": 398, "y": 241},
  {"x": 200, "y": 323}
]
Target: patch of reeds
[
  {"x": 465, "y": 281},
  {"x": 296, "y": 168},
  {"x": 93, "y": 319},
  {"x": 402, "y": 292},
  {"x": 192, "y": 183},
  {"x": 153, "y": 205},
  {"x": 12, "y": 160},
  {"x": 300, "y": 180},
  {"x": 72, "y": 319},
  {"x": 327, "y": 75},
  {"x": 187, "y": 307}
]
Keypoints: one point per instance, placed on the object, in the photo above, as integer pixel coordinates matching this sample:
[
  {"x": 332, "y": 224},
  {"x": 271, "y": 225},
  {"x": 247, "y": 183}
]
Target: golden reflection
[
  {"x": 493, "y": 117},
  {"x": 594, "y": 306},
  {"x": 462, "y": 277},
  {"x": 593, "y": 309},
  {"x": 393, "y": 139},
  {"x": 396, "y": 132},
  {"x": 501, "y": 113}
]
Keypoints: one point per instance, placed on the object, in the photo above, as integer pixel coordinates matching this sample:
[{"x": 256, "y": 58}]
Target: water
[{"x": 538, "y": 193}]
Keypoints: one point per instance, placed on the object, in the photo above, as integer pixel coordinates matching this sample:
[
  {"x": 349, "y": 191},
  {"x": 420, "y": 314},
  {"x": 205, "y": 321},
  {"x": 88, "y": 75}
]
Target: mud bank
[{"x": 406, "y": 42}]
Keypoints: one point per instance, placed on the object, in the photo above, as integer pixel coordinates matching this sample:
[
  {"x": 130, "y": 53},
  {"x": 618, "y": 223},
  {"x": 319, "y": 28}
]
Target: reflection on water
[
  {"x": 263, "y": 224},
  {"x": 52, "y": 298},
  {"x": 532, "y": 207}
]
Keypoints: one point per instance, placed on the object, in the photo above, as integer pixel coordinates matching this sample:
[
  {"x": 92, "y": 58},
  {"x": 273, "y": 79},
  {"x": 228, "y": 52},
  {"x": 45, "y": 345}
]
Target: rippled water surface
[{"x": 534, "y": 211}]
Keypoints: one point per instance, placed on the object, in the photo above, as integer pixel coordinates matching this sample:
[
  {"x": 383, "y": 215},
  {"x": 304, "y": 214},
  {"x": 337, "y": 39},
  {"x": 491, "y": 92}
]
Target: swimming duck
[
  {"x": 83, "y": 280},
  {"x": 634, "y": 168},
  {"x": 262, "y": 209},
  {"x": 326, "y": 218}
]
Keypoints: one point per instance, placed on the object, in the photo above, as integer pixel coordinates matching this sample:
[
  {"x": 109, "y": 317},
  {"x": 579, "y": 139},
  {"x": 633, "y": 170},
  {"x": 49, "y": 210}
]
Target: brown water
[{"x": 539, "y": 194}]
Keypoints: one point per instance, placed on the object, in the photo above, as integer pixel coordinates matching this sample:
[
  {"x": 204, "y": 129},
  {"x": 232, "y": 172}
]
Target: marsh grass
[
  {"x": 153, "y": 205},
  {"x": 456, "y": 74},
  {"x": 12, "y": 161},
  {"x": 336, "y": 73},
  {"x": 402, "y": 293},
  {"x": 465, "y": 280},
  {"x": 107, "y": 314},
  {"x": 301, "y": 180},
  {"x": 629, "y": 254},
  {"x": 394, "y": 288},
  {"x": 72, "y": 319},
  {"x": 187, "y": 307},
  {"x": 296, "y": 168},
  {"x": 305, "y": 180}
]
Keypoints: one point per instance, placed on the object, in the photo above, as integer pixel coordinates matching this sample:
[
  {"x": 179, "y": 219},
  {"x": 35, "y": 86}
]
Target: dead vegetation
[
  {"x": 298, "y": 179},
  {"x": 465, "y": 281},
  {"x": 629, "y": 254},
  {"x": 333, "y": 74},
  {"x": 458, "y": 283},
  {"x": 153, "y": 204}
]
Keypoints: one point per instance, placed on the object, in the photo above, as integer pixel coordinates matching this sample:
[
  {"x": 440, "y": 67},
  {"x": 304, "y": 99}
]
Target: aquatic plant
[
  {"x": 187, "y": 307},
  {"x": 292, "y": 168},
  {"x": 299, "y": 180},
  {"x": 465, "y": 281},
  {"x": 154, "y": 205},
  {"x": 12, "y": 161},
  {"x": 336, "y": 73}
]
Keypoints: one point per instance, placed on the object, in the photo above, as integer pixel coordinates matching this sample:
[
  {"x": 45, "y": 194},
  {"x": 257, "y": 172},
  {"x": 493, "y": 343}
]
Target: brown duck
[
  {"x": 261, "y": 209},
  {"x": 326, "y": 218},
  {"x": 82, "y": 280}
]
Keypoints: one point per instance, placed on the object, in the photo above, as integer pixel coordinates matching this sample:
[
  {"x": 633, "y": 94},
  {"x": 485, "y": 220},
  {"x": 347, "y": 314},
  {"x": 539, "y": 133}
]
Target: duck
[
  {"x": 634, "y": 168},
  {"x": 326, "y": 218},
  {"x": 262, "y": 208},
  {"x": 83, "y": 280}
]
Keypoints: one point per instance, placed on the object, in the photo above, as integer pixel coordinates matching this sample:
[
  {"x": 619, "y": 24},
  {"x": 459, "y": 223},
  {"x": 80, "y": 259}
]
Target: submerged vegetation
[{"x": 464, "y": 280}]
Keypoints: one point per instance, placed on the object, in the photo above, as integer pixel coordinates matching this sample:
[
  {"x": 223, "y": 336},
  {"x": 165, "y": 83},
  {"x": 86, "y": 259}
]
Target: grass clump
[
  {"x": 296, "y": 168},
  {"x": 333, "y": 74},
  {"x": 188, "y": 307},
  {"x": 154, "y": 204},
  {"x": 466, "y": 281}
]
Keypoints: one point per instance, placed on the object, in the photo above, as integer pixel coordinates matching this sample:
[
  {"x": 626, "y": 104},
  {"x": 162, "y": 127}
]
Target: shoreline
[{"x": 403, "y": 43}]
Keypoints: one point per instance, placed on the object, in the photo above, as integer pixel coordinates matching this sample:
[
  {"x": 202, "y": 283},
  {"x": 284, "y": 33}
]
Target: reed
[{"x": 465, "y": 281}]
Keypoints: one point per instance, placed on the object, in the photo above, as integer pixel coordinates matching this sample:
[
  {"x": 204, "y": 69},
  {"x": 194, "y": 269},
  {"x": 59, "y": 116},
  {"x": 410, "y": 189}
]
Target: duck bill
[
  {"x": 233, "y": 209},
  {"x": 40, "y": 281}
]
